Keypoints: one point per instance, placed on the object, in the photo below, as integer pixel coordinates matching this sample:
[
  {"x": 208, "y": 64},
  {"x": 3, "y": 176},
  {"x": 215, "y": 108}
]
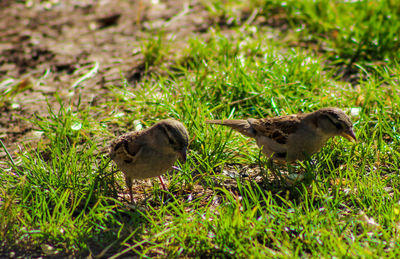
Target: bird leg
[
  {"x": 271, "y": 167},
  {"x": 275, "y": 170},
  {"x": 162, "y": 183},
  {"x": 128, "y": 182}
]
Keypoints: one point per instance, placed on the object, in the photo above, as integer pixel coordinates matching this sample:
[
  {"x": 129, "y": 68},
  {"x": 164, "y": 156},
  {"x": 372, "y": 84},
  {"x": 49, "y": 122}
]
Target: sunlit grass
[{"x": 63, "y": 194}]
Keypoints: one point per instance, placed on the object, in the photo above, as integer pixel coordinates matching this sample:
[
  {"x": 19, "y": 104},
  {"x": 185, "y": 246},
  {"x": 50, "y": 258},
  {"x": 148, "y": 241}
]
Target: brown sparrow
[
  {"x": 294, "y": 137},
  {"x": 150, "y": 152}
]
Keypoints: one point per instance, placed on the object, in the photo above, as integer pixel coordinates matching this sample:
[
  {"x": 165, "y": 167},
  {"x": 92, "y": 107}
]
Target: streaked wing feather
[
  {"x": 126, "y": 145},
  {"x": 277, "y": 128}
]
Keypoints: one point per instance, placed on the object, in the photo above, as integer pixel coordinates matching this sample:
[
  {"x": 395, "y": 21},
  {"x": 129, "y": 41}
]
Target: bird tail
[{"x": 243, "y": 126}]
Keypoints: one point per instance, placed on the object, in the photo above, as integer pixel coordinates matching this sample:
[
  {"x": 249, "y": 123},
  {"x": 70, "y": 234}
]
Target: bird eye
[
  {"x": 339, "y": 126},
  {"x": 170, "y": 140}
]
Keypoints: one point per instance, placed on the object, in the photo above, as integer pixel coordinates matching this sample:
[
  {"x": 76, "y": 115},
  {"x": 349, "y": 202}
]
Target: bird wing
[
  {"x": 277, "y": 128},
  {"x": 126, "y": 147}
]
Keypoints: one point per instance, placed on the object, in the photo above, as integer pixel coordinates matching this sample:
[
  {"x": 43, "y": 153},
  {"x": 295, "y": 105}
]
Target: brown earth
[{"x": 47, "y": 46}]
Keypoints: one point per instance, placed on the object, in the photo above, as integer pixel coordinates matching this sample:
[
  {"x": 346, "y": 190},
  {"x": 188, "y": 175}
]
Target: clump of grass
[
  {"x": 350, "y": 32},
  {"x": 60, "y": 193},
  {"x": 154, "y": 49},
  {"x": 347, "y": 32}
]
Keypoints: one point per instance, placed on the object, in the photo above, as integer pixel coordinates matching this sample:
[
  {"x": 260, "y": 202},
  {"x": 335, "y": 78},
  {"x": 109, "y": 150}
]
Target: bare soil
[{"x": 47, "y": 46}]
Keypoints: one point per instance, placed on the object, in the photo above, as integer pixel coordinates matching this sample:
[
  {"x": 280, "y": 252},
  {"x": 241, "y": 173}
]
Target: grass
[{"x": 61, "y": 196}]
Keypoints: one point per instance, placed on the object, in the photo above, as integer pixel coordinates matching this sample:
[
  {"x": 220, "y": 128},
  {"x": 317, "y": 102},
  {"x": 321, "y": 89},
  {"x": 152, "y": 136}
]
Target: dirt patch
[{"x": 52, "y": 44}]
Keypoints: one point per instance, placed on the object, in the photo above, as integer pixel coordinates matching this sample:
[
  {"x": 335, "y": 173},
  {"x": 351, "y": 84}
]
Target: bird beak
[
  {"x": 182, "y": 154},
  {"x": 349, "y": 135}
]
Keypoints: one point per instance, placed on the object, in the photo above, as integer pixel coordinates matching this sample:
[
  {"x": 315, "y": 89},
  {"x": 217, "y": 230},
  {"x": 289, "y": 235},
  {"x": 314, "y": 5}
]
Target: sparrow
[
  {"x": 150, "y": 152},
  {"x": 294, "y": 137}
]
